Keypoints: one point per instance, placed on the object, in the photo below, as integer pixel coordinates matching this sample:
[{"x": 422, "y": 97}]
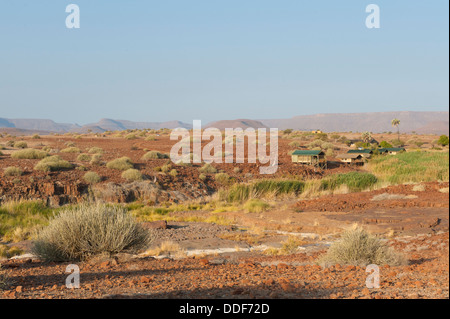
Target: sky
[{"x": 214, "y": 60}]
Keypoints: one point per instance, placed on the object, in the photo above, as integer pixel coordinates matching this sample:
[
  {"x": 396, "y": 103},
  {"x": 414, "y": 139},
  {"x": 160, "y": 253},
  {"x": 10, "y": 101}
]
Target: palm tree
[
  {"x": 366, "y": 137},
  {"x": 396, "y": 123}
]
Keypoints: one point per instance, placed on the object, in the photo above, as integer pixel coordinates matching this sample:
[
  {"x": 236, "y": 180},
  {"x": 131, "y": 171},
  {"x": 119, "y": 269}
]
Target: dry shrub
[
  {"x": 95, "y": 150},
  {"x": 121, "y": 164},
  {"x": 13, "y": 171},
  {"x": 132, "y": 175},
  {"x": 154, "y": 155},
  {"x": 71, "y": 150},
  {"x": 357, "y": 247},
  {"x": 29, "y": 154},
  {"x": 90, "y": 229},
  {"x": 20, "y": 144},
  {"x": 92, "y": 178},
  {"x": 84, "y": 158},
  {"x": 52, "y": 163}
]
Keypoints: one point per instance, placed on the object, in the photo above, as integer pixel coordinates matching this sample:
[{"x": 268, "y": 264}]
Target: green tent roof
[
  {"x": 308, "y": 152},
  {"x": 391, "y": 149},
  {"x": 360, "y": 151}
]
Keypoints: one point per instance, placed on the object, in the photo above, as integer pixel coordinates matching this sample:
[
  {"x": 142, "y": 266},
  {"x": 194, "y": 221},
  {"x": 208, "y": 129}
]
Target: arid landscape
[{"x": 224, "y": 230}]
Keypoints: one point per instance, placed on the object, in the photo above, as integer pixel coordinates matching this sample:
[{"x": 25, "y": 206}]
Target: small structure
[
  {"x": 351, "y": 158},
  {"x": 317, "y": 132},
  {"x": 391, "y": 150},
  {"x": 310, "y": 157},
  {"x": 363, "y": 152}
]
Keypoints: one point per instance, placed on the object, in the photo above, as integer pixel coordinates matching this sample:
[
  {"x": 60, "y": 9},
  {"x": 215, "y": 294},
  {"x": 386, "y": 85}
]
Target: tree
[
  {"x": 396, "y": 123},
  {"x": 366, "y": 137},
  {"x": 443, "y": 140}
]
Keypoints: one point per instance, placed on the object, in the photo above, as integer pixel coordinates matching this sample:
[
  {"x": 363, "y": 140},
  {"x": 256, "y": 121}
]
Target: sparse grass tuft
[
  {"x": 256, "y": 206},
  {"x": 207, "y": 169},
  {"x": 4, "y": 279}
]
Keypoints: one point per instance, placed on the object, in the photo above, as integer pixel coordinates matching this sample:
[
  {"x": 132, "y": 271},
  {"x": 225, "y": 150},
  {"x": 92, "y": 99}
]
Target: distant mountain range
[
  {"x": 101, "y": 126},
  {"x": 377, "y": 122}
]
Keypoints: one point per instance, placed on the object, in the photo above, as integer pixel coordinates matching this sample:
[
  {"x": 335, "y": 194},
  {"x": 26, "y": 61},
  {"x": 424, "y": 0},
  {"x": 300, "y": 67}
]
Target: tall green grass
[
  {"x": 355, "y": 181},
  {"x": 411, "y": 167},
  {"x": 18, "y": 219},
  {"x": 262, "y": 188}
]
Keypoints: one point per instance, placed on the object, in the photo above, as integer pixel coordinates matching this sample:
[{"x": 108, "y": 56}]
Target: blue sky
[{"x": 211, "y": 60}]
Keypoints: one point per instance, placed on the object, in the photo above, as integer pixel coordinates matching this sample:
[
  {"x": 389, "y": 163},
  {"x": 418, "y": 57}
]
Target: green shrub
[
  {"x": 154, "y": 155},
  {"x": 92, "y": 178},
  {"x": 52, "y": 163},
  {"x": 29, "y": 154},
  {"x": 13, "y": 171},
  {"x": 443, "y": 140},
  {"x": 20, "y": 144},
  {"x": 80, "y": 232},
  {"x": 202, "y": 177},
  {"x": 36, "y": 136},
  {"x": 84, "y": 158},
  {"x": 355, "y": 181},
  {"x": 71, "y": 150},
  {"x": 132, "y": 175},
  {"x": 121, "y": 164},
  {"x": 207, "y": 169},
  {"x": 359, "y": 248}
]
